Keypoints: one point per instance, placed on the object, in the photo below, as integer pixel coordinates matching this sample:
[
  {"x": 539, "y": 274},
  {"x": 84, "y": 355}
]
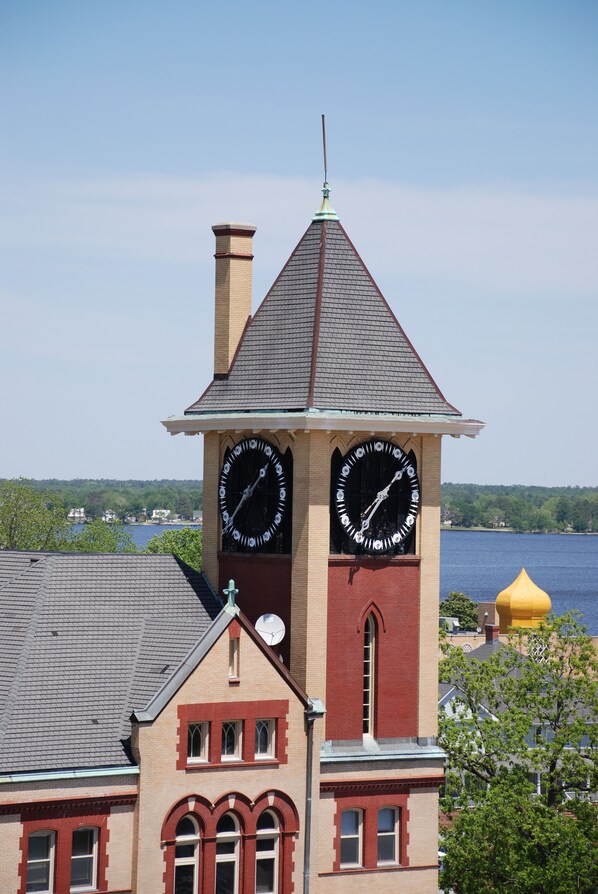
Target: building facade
[{"x": 151, "y": 741}]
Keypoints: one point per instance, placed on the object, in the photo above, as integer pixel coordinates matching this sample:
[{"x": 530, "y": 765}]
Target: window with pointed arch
[
  {"x": 186, "y": 856},
  {"x": 227, "y": 855},
  {"x": 369, "y": 676},
  {"x": 266, "y": 854}
]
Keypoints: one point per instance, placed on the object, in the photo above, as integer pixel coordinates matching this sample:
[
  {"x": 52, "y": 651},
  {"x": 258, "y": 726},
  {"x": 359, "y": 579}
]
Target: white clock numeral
[
  {"x": 415, "y": 496},
  {"x": 409, "y": 520},
  {"x": 377, "y": 544},
  {"x": 345, "y": 521},
  {"x": 345, "y": 470},
  {"x": 396, "y": 538},
  {"x": 378, "y": 447},
  {"x": 397, "y": 452},
  {"x": 253, "y": 443},
  {"x": 237, "y": 450},
  {"x": 359, "y": 452},
  {"x": 278, "y": 468},
  {"x": 266, "y": 536},
  {"x": 359, "y": 537},
  {"x": 282, "y": 494},
  {"x": 268, "y": 451},
  {"x": 236, "y": 535},
  {"x": 226, "y": 468},
  {"x": 340, "y": 495},
  {"x": 222, "y": 492},
  {"x": 410, "y": 471},
  {"x": 251, "y": 541},
  {"x": 277, "y": 518},
  {"x": 225, "y": 516}
]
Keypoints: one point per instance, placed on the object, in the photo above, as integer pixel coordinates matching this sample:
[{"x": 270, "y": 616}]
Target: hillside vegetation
[
  {"x": 517, "y": 507},
  {"x": 520, "y": 507}
]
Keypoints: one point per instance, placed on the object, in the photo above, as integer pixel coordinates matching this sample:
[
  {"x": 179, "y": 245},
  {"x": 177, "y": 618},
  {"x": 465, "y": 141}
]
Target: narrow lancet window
[{"x": 369, "y": 663}]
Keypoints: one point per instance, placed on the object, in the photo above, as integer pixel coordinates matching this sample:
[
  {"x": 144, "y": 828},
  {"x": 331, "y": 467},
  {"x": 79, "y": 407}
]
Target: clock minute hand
[
  {"x": 380, "y": 497},
  {"x": 245, "y": 496}
]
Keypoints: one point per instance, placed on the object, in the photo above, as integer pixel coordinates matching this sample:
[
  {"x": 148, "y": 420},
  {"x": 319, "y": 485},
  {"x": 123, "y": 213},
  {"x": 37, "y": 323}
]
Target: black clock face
[
  {"x": 376, "y": 497},
  {"x": 253, "y": 495}
]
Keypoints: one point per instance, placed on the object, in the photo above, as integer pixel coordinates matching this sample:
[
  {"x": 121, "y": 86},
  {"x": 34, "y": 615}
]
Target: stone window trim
[
  {"x": 62, "y": 820},
  {"x": 246, "y": 714},
  {"x": 247, "y": 813},
  {"x": 369, "y": 805}
]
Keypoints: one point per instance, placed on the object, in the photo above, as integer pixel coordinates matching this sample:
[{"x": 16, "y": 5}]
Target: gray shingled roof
[
  {"x": 324, "y": 338},
  {"x": 85, "y": 640}
]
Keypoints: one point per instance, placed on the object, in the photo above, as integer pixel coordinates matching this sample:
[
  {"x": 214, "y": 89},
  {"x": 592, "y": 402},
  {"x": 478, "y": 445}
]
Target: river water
[{"x": 482, "y": 563}]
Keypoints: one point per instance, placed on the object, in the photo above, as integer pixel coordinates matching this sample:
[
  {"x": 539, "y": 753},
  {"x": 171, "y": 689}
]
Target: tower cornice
[{"x": 323, "y": 420}]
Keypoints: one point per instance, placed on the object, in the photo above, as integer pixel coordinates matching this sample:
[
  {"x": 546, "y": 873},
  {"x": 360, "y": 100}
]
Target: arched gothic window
[
  {"x": 186, "y": 856},
  {"x": 227, "y": 855},
  {"x": 266, "y": 857},
  {"x": 369, "y": 675}
]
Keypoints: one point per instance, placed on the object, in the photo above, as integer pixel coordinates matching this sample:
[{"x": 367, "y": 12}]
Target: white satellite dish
[{"x": 271, "y": 628}]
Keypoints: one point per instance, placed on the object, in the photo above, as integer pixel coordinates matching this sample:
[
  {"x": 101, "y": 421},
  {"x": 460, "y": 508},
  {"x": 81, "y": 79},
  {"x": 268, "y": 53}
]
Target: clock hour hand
[
  {"x": 245, "y": 496},
  {"x": 380, "y": 497}
]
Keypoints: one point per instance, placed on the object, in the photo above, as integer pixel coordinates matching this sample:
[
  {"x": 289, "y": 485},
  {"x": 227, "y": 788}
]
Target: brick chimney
[
  {"x": 233, "y": 290},
  {"x": 492, "y": 631}
]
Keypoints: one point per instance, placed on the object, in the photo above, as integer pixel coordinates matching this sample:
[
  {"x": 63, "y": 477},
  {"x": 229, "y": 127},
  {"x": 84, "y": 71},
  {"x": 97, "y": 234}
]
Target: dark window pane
[
  {"x": 225, "y": 878},
  {"x": 82, "y": 842},
  {"x": 183, "y": 879},
  {"x": 185, "y": 827},
  {"x": 225, "y": 847},
  {"x": 185, "y": 850},
  {"x": 264, "y": 877},
  {"x": 386, "y": 820},
  {"x": 81, "y": 871},
  {"x": 349, "y": 822},
  {"x": 349, "y": 850},
  {"x": 386, "y": 848},
  {"x": 266, "y": 821},
  {"x": 226, "y": 824},
  {"x": 265, "y": 844},
  {"x": 38, "y": 877},
  {"x": 39, "y": 847}
]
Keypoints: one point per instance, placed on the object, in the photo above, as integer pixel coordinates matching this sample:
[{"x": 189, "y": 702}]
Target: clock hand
[
  {"x": 380, "y": 497},
  {"x": 245, "y": 496}
]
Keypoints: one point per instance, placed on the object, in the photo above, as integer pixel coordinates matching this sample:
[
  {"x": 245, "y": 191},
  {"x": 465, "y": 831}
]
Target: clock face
[
  {"x": 376, "y": 497},
  {"x": 253, "y": 495}
]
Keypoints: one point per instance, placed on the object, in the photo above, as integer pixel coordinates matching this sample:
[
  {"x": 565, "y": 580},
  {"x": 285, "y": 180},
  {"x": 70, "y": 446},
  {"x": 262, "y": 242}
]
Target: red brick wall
[
  {"x": 264, "y": 585},
  {"x": 391, "y": 589}
]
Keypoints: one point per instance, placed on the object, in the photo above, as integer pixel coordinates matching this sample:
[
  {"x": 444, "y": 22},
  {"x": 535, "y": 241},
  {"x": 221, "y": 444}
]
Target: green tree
[
  {"x": 185, "y": 544},
  {"x": 513, "y": 843},
  {"x": 29, "y": 519},
  {"x": 529, "y": 711},
  {"x": 458, "y": 605},
  {"x": 99, "y": 537}
]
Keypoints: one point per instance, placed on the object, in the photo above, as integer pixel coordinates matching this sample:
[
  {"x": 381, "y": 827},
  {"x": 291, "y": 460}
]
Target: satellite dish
[{"x": 271, "y": 628}]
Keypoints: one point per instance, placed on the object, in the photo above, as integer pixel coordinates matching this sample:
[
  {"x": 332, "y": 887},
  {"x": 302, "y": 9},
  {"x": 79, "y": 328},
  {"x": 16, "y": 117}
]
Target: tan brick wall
[
  {"x": 162, "y": 785},
  {"x": 402, "y": 881},
  {"x": 423, "y": 831},
  {"x": 311, "y": 535},
  {"x": 120, "y": 848},
  {"x": 233, "y": 296},
  {"x": 10, "y": 855},
  {"x": 429, "y": 549},
  {"x": 211, "y": 515}
]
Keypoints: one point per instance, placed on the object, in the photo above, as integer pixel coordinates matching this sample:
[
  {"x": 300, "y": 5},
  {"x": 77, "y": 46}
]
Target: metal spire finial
[
  {"x": 325, "y": 211},
  {"x": 230, "y": 592}
]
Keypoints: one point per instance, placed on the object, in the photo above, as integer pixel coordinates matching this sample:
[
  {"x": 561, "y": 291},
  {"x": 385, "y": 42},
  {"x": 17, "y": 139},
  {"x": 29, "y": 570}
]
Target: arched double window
[
  {"x": 186, "y": 856},
  {"x": 369, "y": 675}
]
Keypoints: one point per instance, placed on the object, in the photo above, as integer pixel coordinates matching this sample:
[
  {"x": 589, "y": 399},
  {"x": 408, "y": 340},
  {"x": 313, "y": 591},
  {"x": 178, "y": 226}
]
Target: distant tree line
[
  {"x": 125, "y": 498},
  {"x": 521, "y": 508},
  {"x": 517, "y": 507}
]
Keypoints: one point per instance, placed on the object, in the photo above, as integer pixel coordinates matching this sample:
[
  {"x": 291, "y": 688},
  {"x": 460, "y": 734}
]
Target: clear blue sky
[{"x": 463, "y": 158}]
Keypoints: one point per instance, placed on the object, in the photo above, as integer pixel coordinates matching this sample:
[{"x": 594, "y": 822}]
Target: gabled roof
[
  {"x": 85, "y": 640},
  {"x": 324, "y": 338}
]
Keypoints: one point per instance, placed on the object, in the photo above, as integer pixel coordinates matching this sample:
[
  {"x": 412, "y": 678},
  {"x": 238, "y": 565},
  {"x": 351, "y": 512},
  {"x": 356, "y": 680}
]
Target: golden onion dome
[{"x": 522, "y": 604}]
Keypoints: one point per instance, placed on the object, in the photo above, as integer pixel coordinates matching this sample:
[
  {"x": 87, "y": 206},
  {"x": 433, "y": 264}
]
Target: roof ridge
[
  {"x": 32, "y": 626},
  {"x": 317, "y": 316}
]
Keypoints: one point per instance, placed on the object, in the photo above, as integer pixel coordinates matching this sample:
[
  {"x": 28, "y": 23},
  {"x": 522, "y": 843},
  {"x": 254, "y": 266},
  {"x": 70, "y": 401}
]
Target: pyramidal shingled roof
[{"x": 324, "y": 338}]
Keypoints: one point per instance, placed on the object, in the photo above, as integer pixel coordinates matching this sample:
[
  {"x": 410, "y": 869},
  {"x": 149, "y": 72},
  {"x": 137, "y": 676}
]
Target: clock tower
[{"x": 322, "y": 432}]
